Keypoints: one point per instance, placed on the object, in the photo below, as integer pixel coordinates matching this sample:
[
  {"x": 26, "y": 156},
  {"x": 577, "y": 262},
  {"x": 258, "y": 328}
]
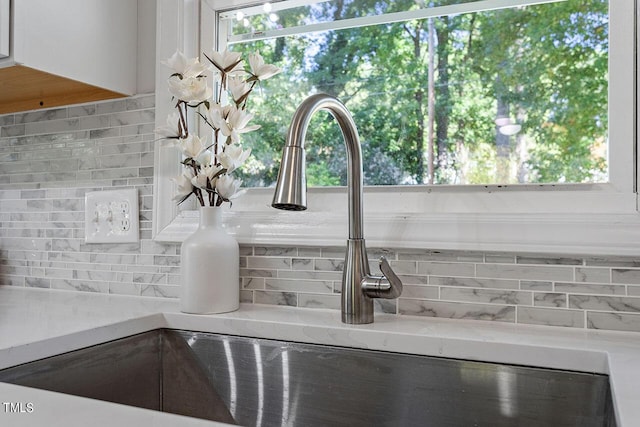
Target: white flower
[
  {"x": 233, "y": 157},
  {"x": 217, "y": 116},
  {"x": 184, "y": 186},
  {"x": 208, "y": 167},
  {"x": 231, "y": 121},
  {"x": 237, "y": 121},
  {"x": 199, "y": 181},
  {"x": 189, "y": 89},
  {"x": 228, "y": 187},
  {"x": 259, "y": 69},
  {"x": 226, "y": 62},
  {"x": 187, "y": 68},
  {"x": 206, "y": 176},
  {"x": 211, "y": 171},
  {"x": 205, "y": 158},
  {"x": 171, "y": 129},
  {"x": 239, "y": 89},
  {"x": 191, "y": 146}
]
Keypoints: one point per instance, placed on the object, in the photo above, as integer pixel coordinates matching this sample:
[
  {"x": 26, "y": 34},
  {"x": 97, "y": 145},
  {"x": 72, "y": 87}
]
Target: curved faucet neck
[
  {"x": 296, "y": 138},
  {"x": 359, "y": 287}
]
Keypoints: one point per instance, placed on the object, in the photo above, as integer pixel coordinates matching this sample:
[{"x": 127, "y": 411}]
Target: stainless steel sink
[{"x": 258, "y": 382}]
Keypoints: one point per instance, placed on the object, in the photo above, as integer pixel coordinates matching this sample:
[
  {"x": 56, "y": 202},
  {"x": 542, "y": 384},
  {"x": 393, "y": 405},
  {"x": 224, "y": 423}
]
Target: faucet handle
[
  {"x": 385, "y": 268},
  {"x": 388, "y": 286},
  {"x": 394, "y": 281}
]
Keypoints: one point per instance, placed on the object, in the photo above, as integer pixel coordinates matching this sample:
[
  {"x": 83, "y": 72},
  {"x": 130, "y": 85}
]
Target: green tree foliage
[{"x": 542, "y": 66}]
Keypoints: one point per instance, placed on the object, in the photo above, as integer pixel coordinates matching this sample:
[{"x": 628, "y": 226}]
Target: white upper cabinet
[
  {"x": 5, "y": 18},
  {"x": 68, "y": 51}
]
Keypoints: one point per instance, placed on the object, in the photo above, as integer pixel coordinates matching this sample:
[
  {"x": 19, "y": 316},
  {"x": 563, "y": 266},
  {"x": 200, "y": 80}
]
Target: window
[
  {"x": 586, "y": 206},
  {"x": 469, "y": 94}
]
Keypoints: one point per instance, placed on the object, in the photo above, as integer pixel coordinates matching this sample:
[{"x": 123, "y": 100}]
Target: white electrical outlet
[{"x": 111, "y": 216}]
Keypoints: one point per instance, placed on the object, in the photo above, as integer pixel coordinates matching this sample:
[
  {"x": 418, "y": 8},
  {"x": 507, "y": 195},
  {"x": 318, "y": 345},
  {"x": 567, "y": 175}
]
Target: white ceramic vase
[{"x": 210, "y": 267}]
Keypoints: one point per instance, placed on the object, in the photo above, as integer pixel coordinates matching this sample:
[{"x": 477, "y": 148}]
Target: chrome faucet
[{"x": 359, "y": 287}]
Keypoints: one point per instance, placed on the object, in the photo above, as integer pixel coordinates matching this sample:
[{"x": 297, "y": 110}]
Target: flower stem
[
  {"x": 198, "y": 194},
  {"x": 212, "y": 198},
  {"x": 223, "y": 83},
  {"x": 246, "y": 97},
  {"x": 183, "y": 128}
]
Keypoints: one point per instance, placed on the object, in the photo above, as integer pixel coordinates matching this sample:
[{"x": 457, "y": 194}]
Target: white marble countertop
[{"x": 39, "y": 323}]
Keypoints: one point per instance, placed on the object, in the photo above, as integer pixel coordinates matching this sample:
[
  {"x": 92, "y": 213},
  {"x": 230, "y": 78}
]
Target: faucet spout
[
  {"x": 359, "y": 287},
  {"x": 291, "y": 186}
]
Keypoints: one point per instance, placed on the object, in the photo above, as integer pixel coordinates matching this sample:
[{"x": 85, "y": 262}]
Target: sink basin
[{"x": 259, "y": 382}]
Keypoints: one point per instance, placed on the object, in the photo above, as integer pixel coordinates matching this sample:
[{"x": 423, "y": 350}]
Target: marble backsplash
[{"x": 49, "y": 159}]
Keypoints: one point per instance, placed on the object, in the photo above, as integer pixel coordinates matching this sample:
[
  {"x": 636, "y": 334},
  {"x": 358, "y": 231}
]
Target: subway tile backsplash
[{"x": 49, "y": 159}]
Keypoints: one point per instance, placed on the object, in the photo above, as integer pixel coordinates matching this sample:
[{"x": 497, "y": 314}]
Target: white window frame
[{"x": 598, "y": 219}]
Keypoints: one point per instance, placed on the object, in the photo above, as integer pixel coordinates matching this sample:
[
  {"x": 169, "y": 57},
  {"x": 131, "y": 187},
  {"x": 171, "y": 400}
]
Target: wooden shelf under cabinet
[{"x": 23, "y": 88}]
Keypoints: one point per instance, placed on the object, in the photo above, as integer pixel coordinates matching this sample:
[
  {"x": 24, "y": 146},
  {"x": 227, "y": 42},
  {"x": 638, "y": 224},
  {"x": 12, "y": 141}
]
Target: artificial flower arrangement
[{"x": 208, "y": 168}]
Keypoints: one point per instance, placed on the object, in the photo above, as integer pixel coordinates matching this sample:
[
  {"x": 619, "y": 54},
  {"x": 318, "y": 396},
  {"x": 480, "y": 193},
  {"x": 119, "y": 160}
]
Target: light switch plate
[{"x": 111, "y": 216}]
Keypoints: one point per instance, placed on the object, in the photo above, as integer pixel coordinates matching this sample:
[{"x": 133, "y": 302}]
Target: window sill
[{"x": 570, "y": 230}]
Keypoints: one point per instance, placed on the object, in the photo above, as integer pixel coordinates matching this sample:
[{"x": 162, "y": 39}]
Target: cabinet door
[{"x": 90, "y": 41}]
